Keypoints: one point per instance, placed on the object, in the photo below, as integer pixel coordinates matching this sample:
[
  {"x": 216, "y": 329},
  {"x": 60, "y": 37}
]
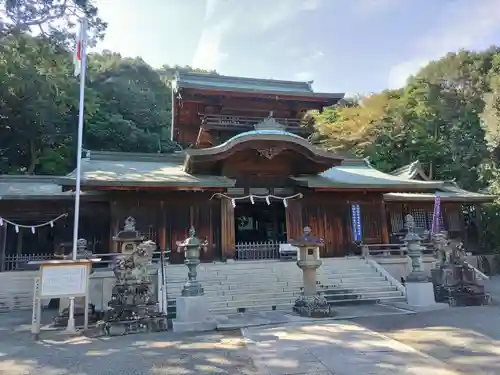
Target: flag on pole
[
  {"x": 77, "y": 56},
  {"x": 436, "y": 217}
]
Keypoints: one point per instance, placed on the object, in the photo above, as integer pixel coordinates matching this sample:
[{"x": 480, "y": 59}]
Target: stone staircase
[
  {"x": 274, "y": 285},
  {"x": 16, "y": 290}
]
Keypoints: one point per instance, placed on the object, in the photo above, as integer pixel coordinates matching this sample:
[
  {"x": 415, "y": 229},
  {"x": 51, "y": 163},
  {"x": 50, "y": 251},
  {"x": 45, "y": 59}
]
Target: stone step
[
  {"x": 275, "y": 272},
  {"x": 272, "y": 279},
  {"x": 233, "y": 294},
  {"x": 366, "y": 295},
  {"x": 268, "y": 278}
]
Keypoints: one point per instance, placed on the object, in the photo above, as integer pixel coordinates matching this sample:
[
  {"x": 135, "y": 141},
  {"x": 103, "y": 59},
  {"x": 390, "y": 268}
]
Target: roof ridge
[
  {"x": 251, "y": 79},
  {"x": 30, "y": 178},
  {"x": 136, "y": 156}
]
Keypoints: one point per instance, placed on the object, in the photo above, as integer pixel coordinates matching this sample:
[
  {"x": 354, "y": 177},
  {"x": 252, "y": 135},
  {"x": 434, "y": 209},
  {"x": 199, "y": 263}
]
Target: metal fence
[
  {"x": 19, "y": 262},
  {"x": 255, "y": 250}
]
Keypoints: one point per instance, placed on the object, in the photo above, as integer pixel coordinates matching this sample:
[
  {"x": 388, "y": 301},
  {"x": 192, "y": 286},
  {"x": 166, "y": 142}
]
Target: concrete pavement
[{"x": 339, "y": 348}]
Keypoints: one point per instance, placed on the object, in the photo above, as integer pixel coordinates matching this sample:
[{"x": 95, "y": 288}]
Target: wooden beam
[
  {"x": 114, "y": 227},
  {"x": 3, "y": 244},
  {"x": 162, "y": 236},
  {"x": 228, "y": 229},
  {"x": 384, "y": 218}
]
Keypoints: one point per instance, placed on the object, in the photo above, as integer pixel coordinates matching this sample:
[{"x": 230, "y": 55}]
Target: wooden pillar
[
  {"x": 3, "y": 244},
  {"x": 114, "y": 226},
  {"x": 228, "y": 229},
  {"x": 384, "y": 216},
  {"x": 162, "y": 235},
  {"x": 294, "y": 226}
]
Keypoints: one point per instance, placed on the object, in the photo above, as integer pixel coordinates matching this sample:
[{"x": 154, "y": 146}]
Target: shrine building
[{"x": 245, "y": 176}]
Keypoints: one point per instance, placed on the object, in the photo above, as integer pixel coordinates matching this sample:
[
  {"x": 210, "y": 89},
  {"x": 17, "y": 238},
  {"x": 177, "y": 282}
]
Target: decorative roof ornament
[{"x": 269, "y": 123}]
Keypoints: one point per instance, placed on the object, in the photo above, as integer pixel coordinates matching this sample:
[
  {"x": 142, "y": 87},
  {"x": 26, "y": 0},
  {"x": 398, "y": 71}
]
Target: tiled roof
[
  {"x": 13, "y": 187},
  {"x": 251, "y": 85},
  {"x": 153, "y": 170},
  {"x": 358, "y": 173},
  {"x": 449, "y": 192}
]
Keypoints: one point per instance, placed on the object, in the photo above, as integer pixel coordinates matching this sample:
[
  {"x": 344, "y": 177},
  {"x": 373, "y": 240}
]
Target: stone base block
[
  {"x": 420, "y": 294},
  {"x": 143, "y": 325},
  {"x": 206, "y": 325},
  {"x": 193, "y": 315},
  {"x": 312, "y": 307}
]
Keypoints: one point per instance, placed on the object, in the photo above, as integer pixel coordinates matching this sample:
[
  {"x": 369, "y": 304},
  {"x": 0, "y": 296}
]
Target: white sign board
[{"x": 68, "y": 280}]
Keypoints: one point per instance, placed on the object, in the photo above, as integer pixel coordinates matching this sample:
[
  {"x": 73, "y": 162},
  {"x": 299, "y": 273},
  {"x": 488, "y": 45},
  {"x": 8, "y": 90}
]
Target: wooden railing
[
  {"x": 227, "y": 122},
  {"x": 255, "y": 250}
]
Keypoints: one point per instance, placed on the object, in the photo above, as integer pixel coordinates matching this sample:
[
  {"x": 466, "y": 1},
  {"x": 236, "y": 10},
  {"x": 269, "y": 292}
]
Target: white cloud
[
  {"x": 223, "y": 18},
  {"x": 464, "y": 27},
  {"x": 370, "y": 7},
  {"x": 304, "y": 76}
]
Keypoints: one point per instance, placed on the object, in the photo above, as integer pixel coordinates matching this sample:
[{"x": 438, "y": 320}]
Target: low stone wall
[{"x": 400, "y": 266}]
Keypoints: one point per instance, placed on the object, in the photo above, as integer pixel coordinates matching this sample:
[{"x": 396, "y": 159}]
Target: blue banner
[{"x": 356, "y": 222}]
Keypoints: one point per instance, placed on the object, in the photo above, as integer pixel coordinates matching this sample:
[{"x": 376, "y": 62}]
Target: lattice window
[
  {"x": 150, "y": 234},
  {"x": 420, "y": 217},
  {"x": 236, "y": 191},
  {"x": 282, "y": 191},
  {"x": 259, "y": 191},
  {"x": 397, "y": 223}
]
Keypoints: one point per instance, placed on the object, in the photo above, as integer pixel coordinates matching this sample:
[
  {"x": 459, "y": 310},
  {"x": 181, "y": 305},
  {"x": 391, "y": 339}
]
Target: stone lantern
[
  {"x": 310, "y": 303},
  {"x": 128, "y": 239},
  {"x": 419, "y": 291},
  {"x": 192, "y": 247},
  {"x": 192, "y": 307},
  {"x": 413, "y": 243}
]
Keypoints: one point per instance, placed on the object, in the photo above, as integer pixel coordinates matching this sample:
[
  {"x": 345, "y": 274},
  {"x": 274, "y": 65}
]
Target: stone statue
[
  {"x": 133, "y": 306},
  {"x": 442, "y": 246},
  {"x": 134, "y": 267}
]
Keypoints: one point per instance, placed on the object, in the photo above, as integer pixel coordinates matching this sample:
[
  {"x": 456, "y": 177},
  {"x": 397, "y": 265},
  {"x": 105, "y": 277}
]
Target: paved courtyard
[{"x": 449, "y": 342}]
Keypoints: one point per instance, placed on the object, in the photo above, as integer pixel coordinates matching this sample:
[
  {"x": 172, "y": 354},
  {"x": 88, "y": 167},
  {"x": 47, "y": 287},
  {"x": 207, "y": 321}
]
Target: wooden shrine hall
[{"x": 245, "y": 176}]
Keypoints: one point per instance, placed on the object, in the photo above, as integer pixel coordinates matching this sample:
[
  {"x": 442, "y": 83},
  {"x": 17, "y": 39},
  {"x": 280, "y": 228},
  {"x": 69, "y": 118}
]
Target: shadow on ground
[{"x": 466, "y": 338}]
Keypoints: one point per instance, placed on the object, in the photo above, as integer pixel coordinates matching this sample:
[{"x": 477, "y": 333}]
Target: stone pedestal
[
  {"x": 193, "y": 315},
  {"x": 310, "y": 303},
  {"x": 420, "y": 294}
]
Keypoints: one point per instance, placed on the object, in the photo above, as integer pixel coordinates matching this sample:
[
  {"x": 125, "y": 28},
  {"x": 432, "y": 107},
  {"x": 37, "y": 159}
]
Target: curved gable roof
[{"x": 411, "y": 171}]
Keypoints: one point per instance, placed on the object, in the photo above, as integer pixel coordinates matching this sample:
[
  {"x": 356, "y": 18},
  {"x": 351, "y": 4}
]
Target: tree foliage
[
  {"x": 127, "y": 106},
  {"x": 447, "y": 117},
  {"x": 53, "y": 19}
]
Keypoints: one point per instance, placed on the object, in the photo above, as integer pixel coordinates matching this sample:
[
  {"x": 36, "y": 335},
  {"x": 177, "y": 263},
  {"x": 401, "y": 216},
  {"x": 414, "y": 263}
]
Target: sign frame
[{"x": 38, "y": 294}]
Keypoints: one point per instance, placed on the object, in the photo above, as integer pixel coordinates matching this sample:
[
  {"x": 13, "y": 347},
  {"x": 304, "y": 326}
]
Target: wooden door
[{"x": 228, "y": 239}]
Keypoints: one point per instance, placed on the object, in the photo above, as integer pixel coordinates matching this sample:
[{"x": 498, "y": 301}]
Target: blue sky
[{"x": 352, "y": 46}]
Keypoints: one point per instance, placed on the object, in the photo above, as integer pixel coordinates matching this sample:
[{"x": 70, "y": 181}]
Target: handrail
[
  {"x": 382, "y": 271},
  {"x": 478, "y": 273},
  {"x": 387, "y": 250},
  {"x": 230, "y": 120}
]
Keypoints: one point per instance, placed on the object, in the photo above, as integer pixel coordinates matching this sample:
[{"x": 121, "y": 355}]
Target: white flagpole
[{"x": 83, "y": 53}]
